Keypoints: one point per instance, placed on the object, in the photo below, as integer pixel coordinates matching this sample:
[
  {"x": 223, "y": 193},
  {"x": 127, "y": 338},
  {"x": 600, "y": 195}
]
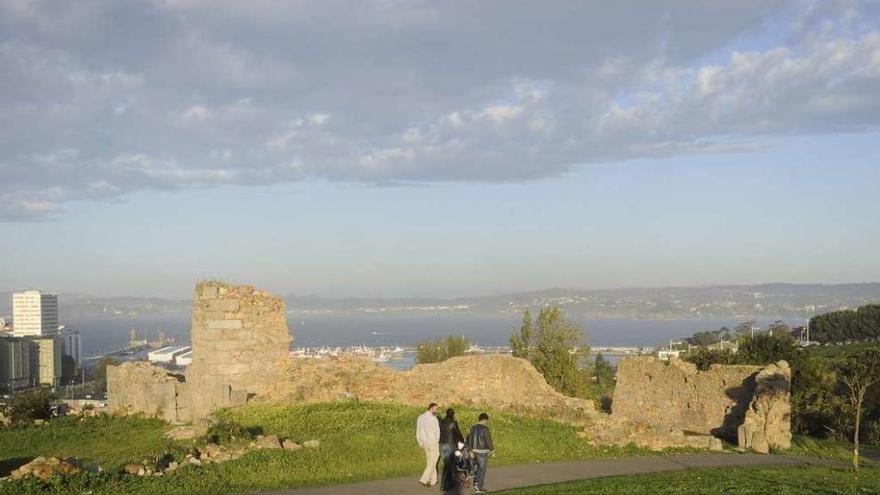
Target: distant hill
[{"x": 724, "y": 301}]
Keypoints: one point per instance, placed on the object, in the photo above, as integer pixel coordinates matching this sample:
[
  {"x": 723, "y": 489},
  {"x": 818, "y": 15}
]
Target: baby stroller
[{"x": 465, "y": 467}]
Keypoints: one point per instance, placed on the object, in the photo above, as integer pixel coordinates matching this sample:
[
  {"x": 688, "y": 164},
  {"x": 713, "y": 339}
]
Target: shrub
[
  {"x": 224, "y": 431},
  {"x": 441, "y": 349},
  {"x": 27, "y": 406}
]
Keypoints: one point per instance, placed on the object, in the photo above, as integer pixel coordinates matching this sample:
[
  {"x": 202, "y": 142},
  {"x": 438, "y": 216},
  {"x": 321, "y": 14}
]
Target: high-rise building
[
  {"x": 72, "y": 344},
  {"x": 48, "y": 366},
  {"x": 34, "y": 313},
  {"x": 18, "y": 357}
]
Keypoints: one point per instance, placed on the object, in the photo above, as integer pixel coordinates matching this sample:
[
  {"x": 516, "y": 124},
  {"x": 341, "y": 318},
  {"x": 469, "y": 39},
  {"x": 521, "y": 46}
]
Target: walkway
[{"x": 518, "y": 476}]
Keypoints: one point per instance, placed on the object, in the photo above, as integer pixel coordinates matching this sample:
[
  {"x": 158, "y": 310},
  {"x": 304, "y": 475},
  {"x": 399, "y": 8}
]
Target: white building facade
[{"x": 34, "y": 313}]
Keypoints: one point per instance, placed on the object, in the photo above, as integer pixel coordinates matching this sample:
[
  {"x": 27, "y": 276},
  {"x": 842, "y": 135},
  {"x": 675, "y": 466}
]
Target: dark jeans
[{"x": 482, "y": 466}]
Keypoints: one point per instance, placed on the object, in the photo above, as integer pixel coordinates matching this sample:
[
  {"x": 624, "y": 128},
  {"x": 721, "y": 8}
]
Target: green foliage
[
  {"x": 704, "y": 357},
  {"x": 224, "y": 431},
  {"x": 110, "y": 441},
  {"x": 729, "y": 480},
  {"x": 359, "y": 441},
  {"x": 441, "y": 349},
  {"x": 847, "y": 325},
  {"x": 521, "y": 341},
  {"x": 24, "y": 407},
  {"x": 100, "y": 373},
  {"x": 765, "y": 349},
  {"x": 858, "y": 372},
  {"x": 554, "y": 346},
  {"x": 603, "y": 371}
]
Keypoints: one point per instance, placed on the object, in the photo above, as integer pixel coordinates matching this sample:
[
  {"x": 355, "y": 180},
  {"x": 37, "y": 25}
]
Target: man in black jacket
[
  {"x": 450, "y": 437},
  {"x": 480, "y": 443}
]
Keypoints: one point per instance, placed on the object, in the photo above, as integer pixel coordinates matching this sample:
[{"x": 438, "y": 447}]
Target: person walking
[
  {"x": 479, "y": 442},
  {"x": 428, "y": 437},
  {"x": 450, "y": 437}
]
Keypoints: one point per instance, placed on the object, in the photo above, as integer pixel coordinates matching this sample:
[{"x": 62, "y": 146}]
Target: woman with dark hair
[{"x": 450, "y": 438}]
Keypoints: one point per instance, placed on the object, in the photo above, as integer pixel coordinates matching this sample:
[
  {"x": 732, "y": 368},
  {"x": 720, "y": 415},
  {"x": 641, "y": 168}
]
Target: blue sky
[{"x": 414, "y": 152}]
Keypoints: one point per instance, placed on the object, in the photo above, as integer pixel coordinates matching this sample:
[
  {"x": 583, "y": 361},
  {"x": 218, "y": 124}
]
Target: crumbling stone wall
[
  {"x": 140, "y": 387},
  {"x": 675, "y": 394},
  {"x": 497, "y": 381},
  {"x": 673, "y": 397},
  {"x": 240, "y": 345},
  {"x": 768, "y": 418},
  {"x": 240, "y": 348}
]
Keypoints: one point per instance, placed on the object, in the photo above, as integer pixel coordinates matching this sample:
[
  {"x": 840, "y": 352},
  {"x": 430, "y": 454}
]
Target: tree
[
  {"x": 603, "y": 370},
  {"x": 34, "y": 404},
  {"x": 744, "y": 329},
  {"x": 779, "y": 327},
  {"x": 100, "y": 373},
  {"x": 764, "y": 348},
  {"x": 554, "y": 347},
  {"x": 521, "y": 341},
  {"x": 858, "y": 372},
  {"x": 441, "y": 349}
]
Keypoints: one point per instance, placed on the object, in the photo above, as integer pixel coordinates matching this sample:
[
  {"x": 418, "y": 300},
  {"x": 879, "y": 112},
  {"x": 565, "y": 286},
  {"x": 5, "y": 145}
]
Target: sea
[{"x": 104, "y": 334}]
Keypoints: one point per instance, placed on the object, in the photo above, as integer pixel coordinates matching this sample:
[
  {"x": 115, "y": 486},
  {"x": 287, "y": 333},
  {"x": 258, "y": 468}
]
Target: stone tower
[{"x": 240, "y": 345}]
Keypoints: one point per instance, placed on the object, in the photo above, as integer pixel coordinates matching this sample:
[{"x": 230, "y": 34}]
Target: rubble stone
[{"x": 768, "y": 419}]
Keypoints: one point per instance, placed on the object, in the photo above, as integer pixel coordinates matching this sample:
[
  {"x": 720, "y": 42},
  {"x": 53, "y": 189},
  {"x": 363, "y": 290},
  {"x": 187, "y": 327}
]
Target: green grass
[
  {"x": 777, "y": 480},
  {"x": 103, "y": 440},
  {"x": 359, "y": 441}
]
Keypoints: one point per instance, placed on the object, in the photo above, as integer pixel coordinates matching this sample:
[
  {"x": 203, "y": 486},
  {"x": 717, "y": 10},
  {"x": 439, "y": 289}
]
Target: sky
[{"x": 420, "y": 148}]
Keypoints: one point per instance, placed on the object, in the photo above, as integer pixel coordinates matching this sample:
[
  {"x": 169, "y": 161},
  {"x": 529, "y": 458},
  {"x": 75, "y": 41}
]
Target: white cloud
[{"x": 201, "y": 93}]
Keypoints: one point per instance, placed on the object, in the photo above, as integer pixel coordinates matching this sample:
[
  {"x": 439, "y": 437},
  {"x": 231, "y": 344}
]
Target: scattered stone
[
  {"x": 311, "y": 444},
  {"x": 268, "y": 442},
  {"x": 133, "y": 469},
  {"x": 44, "y": 468},
  {"x": 181, "y": 433},
  {"x": 289, "y": 444}
]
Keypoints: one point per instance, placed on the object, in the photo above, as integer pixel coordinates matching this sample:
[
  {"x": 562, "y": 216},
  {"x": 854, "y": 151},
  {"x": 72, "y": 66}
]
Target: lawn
[
  {"x": 777, "y": 480},
  {"x": 359, "y": 441}
]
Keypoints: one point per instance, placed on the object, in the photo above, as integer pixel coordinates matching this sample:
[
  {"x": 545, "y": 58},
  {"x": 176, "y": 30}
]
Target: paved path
[{"x": 518, "y": 476}]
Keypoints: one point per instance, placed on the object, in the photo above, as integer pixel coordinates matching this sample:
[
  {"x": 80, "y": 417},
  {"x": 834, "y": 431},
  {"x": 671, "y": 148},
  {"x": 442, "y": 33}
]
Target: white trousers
[{"x": 432, "y": 454}]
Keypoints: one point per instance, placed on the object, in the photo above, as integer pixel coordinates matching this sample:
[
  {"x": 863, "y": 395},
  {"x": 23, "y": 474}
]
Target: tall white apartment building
[{"x": 34, "y": 313}]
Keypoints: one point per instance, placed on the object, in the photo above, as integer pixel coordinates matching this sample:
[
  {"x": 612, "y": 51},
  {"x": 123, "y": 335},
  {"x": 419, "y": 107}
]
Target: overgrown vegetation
[
  {"x": 441, "y": 349},
  {"x": 99, "y": 375},
  {"x": 555, "y": 346},
  {"x": 25, "y": 407},
  {"x": 776, "y": 480},
  {"x": 847, "y": 325}
]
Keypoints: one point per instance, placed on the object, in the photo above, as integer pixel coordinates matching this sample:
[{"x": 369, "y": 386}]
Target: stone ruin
[
  {"x": 240, "y": 347},
  {"x": 659, "y": 404}
]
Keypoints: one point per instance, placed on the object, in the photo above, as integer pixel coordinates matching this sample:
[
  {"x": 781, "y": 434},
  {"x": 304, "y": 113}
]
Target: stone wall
[
  {"x": 676, "y": 395},
  {"x": 671, "y": 402},
  {"x": 141, "y": 388},
  {"x": 240, "y": 349},
  {"x": 495, "y": 381}
]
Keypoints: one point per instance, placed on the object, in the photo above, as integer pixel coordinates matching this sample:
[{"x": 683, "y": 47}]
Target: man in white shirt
[{"x": 428, "y": 436}]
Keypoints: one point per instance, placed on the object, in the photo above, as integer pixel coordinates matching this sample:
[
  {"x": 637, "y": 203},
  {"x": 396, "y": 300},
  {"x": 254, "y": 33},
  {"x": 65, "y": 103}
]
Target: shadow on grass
[{"x": 7, "y": 465}]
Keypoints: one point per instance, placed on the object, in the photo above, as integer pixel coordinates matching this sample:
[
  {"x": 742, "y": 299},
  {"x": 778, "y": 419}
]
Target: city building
[
  {"x": 72, "y": 344},
  {"x": 184, "y": 359},
  {"x": 17, "y": 363},
  {"x": 34, "y": 313},
  {"x": 50, "y": 348},
  {"x": 167, "y": 354}
]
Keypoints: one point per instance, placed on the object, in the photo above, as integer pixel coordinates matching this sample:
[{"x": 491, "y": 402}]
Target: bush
[
  {"x": 25, "y": 407},
  {"x": 441, "y": 349},
  {"x": 224, "y": 431}
]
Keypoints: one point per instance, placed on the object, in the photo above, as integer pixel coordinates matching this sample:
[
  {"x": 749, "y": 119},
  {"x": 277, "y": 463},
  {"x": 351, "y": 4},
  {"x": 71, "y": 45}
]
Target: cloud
[{"x": 192, "y": 93}]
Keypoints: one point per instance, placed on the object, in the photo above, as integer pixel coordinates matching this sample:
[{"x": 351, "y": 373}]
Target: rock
[
  {"x": 289, "y": 444},
  {"x": 171, "y": 466},
  {"x": 268, "y": 442},
  {"x": 311, "y": 444},
  {"x": 44, "y": 468},
  {"x": 181, "y": 433},
  {"x": 39, "y": 422},
  {"x": 767, "y": 421},
  {"x": 133, "y": 469},
  {"x": 141, "y": 471}
]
